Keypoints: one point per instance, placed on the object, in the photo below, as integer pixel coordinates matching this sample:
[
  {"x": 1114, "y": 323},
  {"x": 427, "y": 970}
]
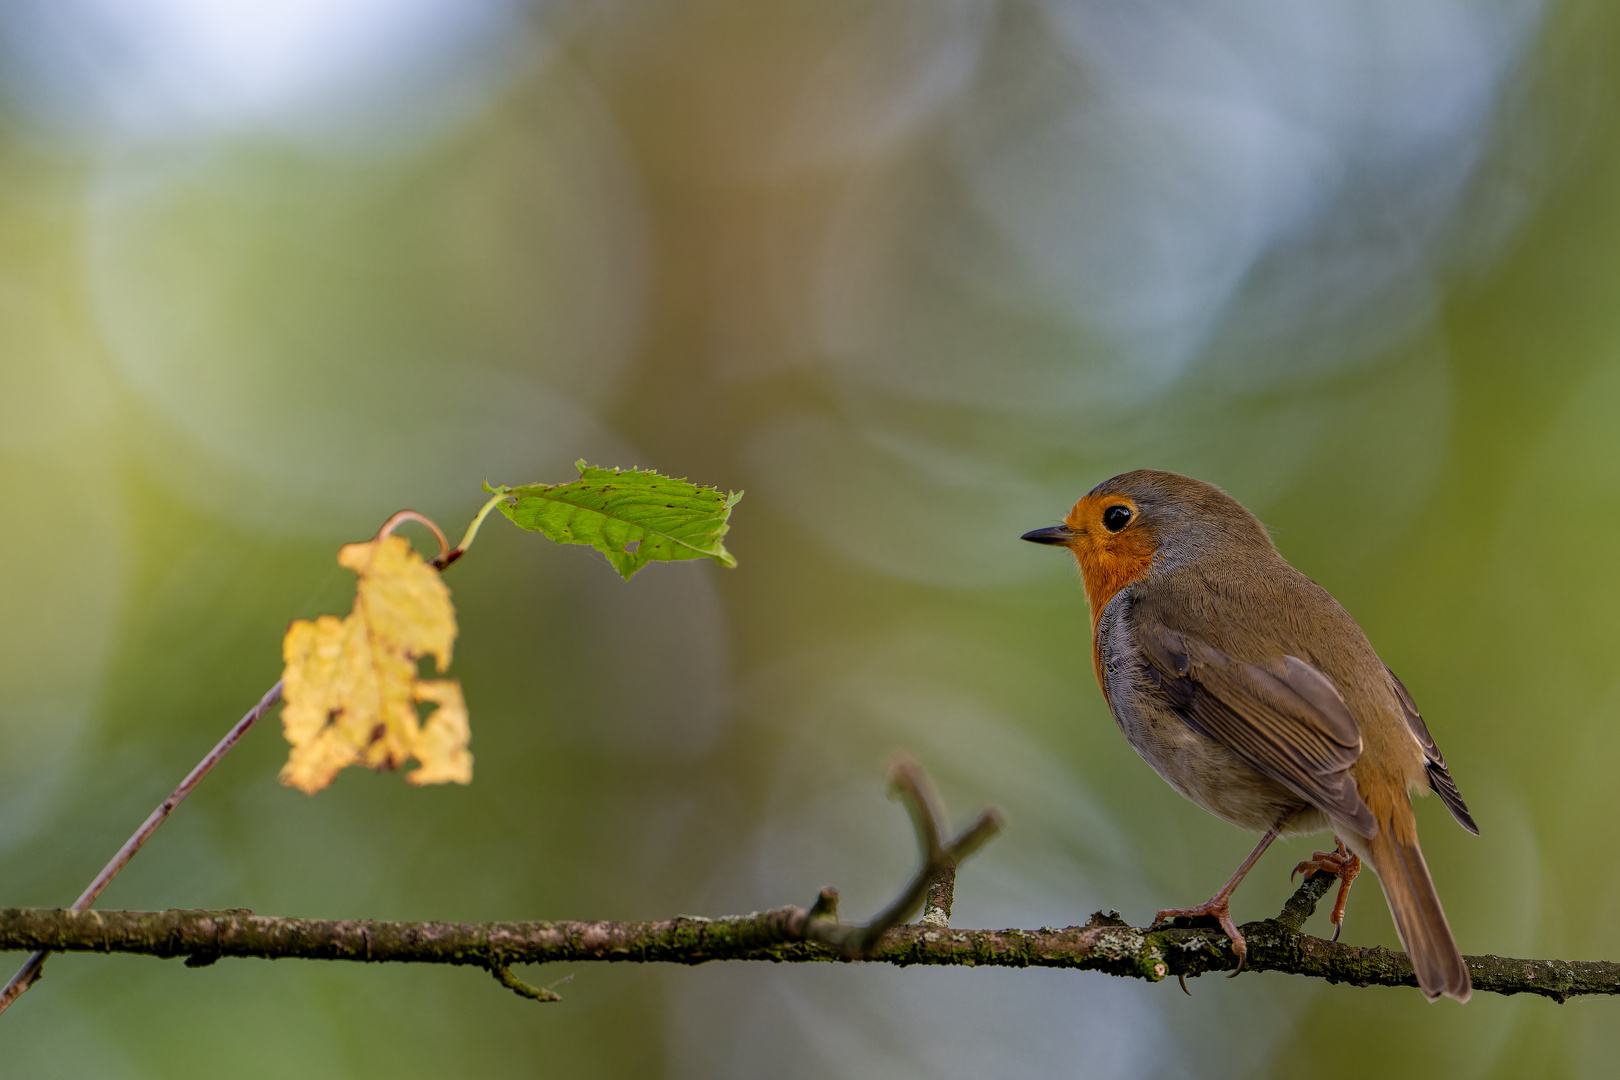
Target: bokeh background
[{"x": 915, "y": 274}]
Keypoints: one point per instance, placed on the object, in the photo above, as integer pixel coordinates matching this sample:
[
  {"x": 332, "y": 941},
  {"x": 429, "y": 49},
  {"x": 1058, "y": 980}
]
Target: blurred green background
[{"x": 915, "y": 274}]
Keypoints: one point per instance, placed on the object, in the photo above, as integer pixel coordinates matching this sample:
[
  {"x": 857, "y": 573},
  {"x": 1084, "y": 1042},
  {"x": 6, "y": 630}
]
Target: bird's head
[{"x": 1125, "y": 526}]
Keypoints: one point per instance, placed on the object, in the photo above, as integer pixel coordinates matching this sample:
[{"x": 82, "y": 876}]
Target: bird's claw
[
  {"x": 1218, "y": 908},
  {"x": 1342, "y": 864}
]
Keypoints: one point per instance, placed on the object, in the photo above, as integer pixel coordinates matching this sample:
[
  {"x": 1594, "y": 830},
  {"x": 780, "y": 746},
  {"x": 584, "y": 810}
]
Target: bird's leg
[
  {"x": 1341, "y": 864},
  {"x": 1219, "y": 905}
]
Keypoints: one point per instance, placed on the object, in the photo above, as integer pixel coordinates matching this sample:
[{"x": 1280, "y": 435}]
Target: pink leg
[{"x": 1219, "y": 905}]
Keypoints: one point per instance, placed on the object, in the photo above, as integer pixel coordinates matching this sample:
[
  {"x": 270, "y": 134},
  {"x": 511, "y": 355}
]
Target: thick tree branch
[
  {"x": 1104, "y": 944},
  {"x": 790, "y": 934}
]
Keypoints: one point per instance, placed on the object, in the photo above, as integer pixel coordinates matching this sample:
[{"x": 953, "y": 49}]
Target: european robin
[{"x": 1254, "y": 694}]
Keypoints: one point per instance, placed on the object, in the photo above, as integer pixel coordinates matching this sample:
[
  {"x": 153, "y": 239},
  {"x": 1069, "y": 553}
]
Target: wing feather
[
  {"x": 1285, "y": 718},
  {"x": 1434, "y": 761}
]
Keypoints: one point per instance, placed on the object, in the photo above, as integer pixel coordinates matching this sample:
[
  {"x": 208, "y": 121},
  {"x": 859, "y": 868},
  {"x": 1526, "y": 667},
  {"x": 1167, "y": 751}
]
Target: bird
[{"x": 1247, "y": 687}]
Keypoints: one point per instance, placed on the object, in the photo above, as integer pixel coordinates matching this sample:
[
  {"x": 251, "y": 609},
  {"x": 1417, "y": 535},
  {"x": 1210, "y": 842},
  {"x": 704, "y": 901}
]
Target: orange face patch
[{"x": 1108, "y": 560}]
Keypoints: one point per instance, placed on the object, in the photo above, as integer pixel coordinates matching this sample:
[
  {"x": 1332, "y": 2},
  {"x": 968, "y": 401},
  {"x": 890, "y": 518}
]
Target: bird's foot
[
  {"x": 1217, "y": 907},
  {"x": 1343, "y": 865}
]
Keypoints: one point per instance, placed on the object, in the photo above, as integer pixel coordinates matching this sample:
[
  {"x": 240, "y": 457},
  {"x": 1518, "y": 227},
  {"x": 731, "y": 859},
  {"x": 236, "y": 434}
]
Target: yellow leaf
[
  {"x": 350, "y": 685},
  {"x": 442, "y": 747}
]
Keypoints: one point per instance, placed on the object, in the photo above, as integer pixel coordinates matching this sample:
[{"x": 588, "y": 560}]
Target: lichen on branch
[
  {"x": 785, "y": 935},
  {"x": 793, "y": 935}
]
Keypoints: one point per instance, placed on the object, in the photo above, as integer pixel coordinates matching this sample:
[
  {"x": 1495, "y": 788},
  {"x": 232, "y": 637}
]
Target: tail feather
[{"x": 1418, "y": 916}]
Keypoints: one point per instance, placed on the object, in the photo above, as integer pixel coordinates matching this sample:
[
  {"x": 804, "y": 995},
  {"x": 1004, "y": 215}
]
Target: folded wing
[
  {"x": 1283, "y": 717},
  {"x": 1434, "y": 762}
]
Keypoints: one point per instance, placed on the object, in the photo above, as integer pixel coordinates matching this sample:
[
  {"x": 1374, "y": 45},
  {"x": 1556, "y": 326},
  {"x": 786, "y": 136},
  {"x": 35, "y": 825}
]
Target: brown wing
[
  {"x": 1434, "y": 761},
  {"x": 1286, "y": 718}
]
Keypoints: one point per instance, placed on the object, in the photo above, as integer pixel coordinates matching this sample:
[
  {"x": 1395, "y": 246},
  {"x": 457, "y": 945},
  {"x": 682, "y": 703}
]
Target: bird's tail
[{"x": 1416, "y": 908}]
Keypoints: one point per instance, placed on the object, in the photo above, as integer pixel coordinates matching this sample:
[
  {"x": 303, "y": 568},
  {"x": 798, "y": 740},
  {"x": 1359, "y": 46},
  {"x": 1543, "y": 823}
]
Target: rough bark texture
[{"x": 785, "y": 935}]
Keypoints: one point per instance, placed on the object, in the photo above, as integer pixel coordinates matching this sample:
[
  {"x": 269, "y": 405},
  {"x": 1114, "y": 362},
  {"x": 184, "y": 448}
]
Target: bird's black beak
[{"x": 1057, "y": 534}]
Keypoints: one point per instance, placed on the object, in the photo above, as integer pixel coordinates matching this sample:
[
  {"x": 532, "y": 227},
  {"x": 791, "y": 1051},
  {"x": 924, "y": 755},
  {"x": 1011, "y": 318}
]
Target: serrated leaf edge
[{"x": 724, "y": 557}]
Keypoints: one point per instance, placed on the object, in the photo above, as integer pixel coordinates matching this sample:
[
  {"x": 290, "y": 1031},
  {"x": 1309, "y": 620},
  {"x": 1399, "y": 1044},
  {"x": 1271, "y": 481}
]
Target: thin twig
[
  {"x": 29, "y": 973},
  {"x": 909, "y": 783},
  {"x": 941, "y": 895},
  {"x": 504, "y": 976}
]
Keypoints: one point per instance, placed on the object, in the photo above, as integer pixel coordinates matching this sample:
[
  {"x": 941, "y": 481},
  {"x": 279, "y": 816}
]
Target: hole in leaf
[{"x": 630, "y": 548}]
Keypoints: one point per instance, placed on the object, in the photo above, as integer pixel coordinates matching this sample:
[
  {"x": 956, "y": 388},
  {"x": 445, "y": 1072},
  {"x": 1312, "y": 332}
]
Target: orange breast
[{"x": 1108, "y": 561}]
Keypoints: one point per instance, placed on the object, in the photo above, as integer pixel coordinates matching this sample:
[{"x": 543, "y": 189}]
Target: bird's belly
[
  {"x": 1206, "y": 772},
  {"x": 1203, "y": 770}
]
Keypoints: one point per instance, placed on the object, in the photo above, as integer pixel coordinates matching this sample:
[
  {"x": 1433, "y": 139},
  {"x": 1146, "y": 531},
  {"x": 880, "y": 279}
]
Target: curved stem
[
  {"x": 402, "y": 516},
  {"x": 447, "y": 557}
]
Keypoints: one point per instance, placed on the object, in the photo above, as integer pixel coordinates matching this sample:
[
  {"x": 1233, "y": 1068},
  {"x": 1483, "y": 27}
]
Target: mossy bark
[{"x": 785, "y": 935}]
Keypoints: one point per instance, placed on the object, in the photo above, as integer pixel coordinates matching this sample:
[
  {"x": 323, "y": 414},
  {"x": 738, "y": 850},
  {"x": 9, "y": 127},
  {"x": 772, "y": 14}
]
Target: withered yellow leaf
[
  {"x": 350, "y": 684},
  {"x": 442, "y": 746}
]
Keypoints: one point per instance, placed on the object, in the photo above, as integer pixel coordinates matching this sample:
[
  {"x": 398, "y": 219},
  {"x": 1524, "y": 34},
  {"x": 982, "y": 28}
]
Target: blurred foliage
[{"x": 917, "y": 273}]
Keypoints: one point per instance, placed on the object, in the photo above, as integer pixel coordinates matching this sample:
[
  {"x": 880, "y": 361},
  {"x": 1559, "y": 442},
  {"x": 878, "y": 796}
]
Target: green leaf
[{"x": 633, "y": 516}]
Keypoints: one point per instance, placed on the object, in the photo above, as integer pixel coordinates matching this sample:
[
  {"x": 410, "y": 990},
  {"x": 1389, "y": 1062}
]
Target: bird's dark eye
[{"x": 1116, "y": 518}]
